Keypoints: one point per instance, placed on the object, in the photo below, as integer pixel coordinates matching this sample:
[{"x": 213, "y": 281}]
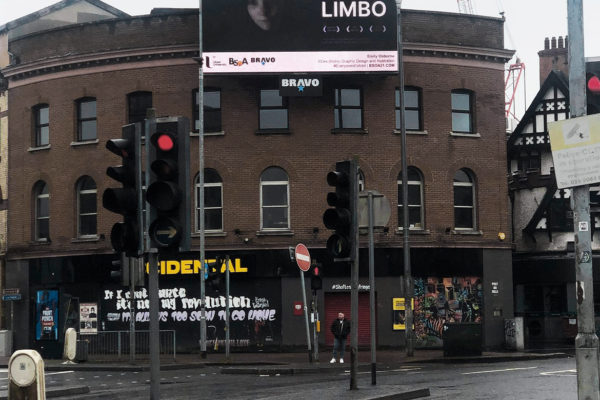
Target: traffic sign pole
[{"x": 303, "y": 261}]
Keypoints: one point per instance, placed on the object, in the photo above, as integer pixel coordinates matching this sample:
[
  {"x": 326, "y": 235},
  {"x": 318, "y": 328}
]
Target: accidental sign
[{"x": 575, "y": 147}]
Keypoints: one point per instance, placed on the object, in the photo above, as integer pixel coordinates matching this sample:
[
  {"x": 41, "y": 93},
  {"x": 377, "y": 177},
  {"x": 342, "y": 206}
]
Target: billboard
[
  {"x": 46, "y": 315},
  {"x": 289, "y": 36}
]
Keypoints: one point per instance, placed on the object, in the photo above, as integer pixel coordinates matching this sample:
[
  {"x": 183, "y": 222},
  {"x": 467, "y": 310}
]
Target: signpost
[{"x": 303, "y": 261}]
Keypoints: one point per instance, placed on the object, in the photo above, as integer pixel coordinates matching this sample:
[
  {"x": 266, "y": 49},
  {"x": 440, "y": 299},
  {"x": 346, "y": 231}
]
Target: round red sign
[{"x": 302, "y": 257}]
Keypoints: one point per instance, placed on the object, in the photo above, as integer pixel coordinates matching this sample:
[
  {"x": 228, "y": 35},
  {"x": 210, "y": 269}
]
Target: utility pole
[{"x": 586, "y": 342}]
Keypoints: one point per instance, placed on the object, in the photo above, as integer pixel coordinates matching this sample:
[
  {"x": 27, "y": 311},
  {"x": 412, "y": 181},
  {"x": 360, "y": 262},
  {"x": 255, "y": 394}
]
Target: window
[
  {"x": 42, "y": 211},
  {"x": 462, "y": 111},
  {"x": 464, "y": 200},
  {"x": 86, "y": 119},
  {"x": 41, "y": 114},
  {"x": 273, "y": 110},
  {"x": 274, "y": 199},
  {"x": 559, "y": 213},
  {"x": 86, "y": 207},
  {"x": 348, "y": 109},
  {"x": 137, "y": 104},
  {"x": 361, "y": 180},
  {"x": 529, "y": 160},
  {"x": 415, "y": 199},
  {"x": 412, "y": 109},
  {"x": 212, "y": 110},
  {"x": 213, "y": 201}
]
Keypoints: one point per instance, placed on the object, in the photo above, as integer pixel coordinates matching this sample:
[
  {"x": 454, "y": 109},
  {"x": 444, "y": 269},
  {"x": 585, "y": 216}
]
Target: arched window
[
  {"x": 274, "y": 199},
  {"x": 464, "y": 200},
  {"x": 213, "y": 201},
  {"x": 41, "y": 211},
  {"x": 86, "y": 207},
  {"x": 415, "y": 200},
  {"x": 361, "y": 181}
]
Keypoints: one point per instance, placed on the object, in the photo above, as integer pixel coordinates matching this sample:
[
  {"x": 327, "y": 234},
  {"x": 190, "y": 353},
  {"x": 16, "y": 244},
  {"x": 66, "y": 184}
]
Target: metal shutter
[{"x": 340, "y": 302}]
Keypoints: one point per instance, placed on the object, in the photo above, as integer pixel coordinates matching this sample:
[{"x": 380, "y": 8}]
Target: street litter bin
[
  {"x": 81, "y": 353},
  {"x": 462, "y": 339},
  {"x": 6, "y": 343}
]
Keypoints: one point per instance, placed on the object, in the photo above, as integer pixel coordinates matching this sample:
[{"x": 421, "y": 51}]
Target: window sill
[
  {"x": 210, "y": 234},
  {"x": 41, "y": 242},
  {"x": 219, "y": 133},
  {"x": 84, "y": 143},
  {"x": 354, "y": 131},
  {"x": 415, "y": 231},
  {"x": 418, "y": 133},
  {"x": 465, "y": 232},
  {"x": 86, "y": 239},
  {"x": 283, "y": 232},
  {"x": 40, "y": 148},
  {"x": 273, "y": 132},
  {"x": 464, "y": 134}
]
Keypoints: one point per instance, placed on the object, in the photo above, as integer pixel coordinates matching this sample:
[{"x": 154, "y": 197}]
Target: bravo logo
[{"x": 300, "y": 83}]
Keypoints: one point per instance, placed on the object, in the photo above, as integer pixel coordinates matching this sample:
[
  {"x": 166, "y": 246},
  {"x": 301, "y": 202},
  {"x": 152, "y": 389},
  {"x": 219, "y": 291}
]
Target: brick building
[{"x": 266, "y": 158}]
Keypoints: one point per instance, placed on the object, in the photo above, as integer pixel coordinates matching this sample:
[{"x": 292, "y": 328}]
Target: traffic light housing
[
  {"x": 213, "y": 276},
  {"x": 126, "y": 236},
  {"x": 168, "y": 192},
  {"x": 342, "y": 218},
  {"x": 316, "y": 283},
  {"x": 593, "y": 87}
]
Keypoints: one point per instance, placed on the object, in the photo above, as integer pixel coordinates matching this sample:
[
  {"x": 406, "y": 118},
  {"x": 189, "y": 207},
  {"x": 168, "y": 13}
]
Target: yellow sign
[
  {"x": 190, "y": 267},
  {"x": 575, "y": 147},
  {"x": 399, "y": 311}
]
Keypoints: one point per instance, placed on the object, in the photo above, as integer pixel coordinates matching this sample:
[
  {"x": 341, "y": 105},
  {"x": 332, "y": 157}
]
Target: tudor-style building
[{"x": 543, "y": 272}]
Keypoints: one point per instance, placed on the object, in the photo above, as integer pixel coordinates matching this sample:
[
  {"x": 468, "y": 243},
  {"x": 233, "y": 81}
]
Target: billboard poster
[
  {"x": 88, "y": 318},
  {"x": 46, "y": 326},
  {"x": 289, "y": 36}
]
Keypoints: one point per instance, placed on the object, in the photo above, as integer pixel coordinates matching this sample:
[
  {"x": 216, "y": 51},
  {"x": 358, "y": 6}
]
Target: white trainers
[
  {"x": 341, "y": 360},
  {"x": 333, "y": 361}
]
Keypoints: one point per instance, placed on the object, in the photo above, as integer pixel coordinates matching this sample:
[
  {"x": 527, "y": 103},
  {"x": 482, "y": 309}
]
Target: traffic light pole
[
  {"x": 372, "y": 289},
  {"x": 132, "y": 279},
  {"x": 306, "y": 315},
  {"x": 154, "y": 328},
  {"x": 227, "y": 345},
  {"x": 586, "y": 342},
  {"x": 354, "y": 275}
]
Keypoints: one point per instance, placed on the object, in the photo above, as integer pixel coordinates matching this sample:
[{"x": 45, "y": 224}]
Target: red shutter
[{"x": 340, "y": 302}]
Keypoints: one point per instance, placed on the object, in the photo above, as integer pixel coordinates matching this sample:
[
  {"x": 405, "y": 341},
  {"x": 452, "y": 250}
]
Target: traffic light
[
  {"x": 316, "y": 283},
  {"x": 119, "y": 271},
  {"x": 126, "y": 236},
  {"x": 343, "y": 217},
  {"x": 593, "y": 87},
  {"x": 168, "y": 192},
  {"x": 212, "y": 275}
]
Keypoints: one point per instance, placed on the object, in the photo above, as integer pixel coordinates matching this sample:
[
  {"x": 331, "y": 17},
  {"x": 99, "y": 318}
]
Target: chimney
[{"x": 554, "y": 57}]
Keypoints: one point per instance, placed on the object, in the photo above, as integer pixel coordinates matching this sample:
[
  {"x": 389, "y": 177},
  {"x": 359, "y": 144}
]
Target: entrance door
[{"x": 340, "y": 302}]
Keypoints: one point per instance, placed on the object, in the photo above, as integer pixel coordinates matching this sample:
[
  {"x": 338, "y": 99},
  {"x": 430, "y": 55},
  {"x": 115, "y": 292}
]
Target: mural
[{"x": 445, "y": 300}]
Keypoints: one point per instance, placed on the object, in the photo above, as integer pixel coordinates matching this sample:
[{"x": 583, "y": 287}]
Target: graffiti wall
[{"x": 445, "y": 300}]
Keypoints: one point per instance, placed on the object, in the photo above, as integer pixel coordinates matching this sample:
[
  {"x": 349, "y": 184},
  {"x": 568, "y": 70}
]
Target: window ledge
[
  {"x": 283, "y": 232},
  {"x": 210, "y": 234},
  {"x": 86, "y": 239},
  {"x": 273, "y": 132},
  {"x": 84, "y": 143},
  {"x": 41, "y": 242},
  {"x": 413, "y": 231},
  {"x": 463, "y": 134},
  {"x": 219, "y": 133},
  {"x": 40, "y": 148},
  {"x": 466, "y": 232},
  {"x": 399, "y": 132},
  {"x": 355, "y": 131}
]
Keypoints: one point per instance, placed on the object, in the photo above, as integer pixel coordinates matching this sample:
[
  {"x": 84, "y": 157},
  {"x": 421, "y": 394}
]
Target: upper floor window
[
  {"x": 529, "y": 160},
  {"x": 86, "y": 119},
  {"x": 347, "y": 111},
  {"x": 415, "y": 199},
  {"x": 41, "y": 115},
  {"x": 462, "y": 111},
  {"x": 86, "y": 207},
  {"x": 464, "y": 200},
  {"x": 213, "y": 201},
  {"x": 137, "y": 104},
  {"x": 273, "y": 112},
  {"x": 274, "y": 199},
  {"x": 412, "y": 109},
  {"x": 212, "y": 110},
  {"x": 41, "y": 211}
]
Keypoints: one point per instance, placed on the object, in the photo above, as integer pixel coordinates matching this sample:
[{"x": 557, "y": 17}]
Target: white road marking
[
  {"x": 47, "y": 374},
  {"x": 566, "y": 372},
  {"x": 497, "y": 370}
]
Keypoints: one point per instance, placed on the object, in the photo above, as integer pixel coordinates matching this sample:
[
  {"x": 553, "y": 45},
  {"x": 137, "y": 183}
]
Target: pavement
[{"x": 294, "y": 363}]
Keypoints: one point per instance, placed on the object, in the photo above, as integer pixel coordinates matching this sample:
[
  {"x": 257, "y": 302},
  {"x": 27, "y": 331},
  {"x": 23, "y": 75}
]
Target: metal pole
[
  {"x": 201, "y": 183},
  {"x": 315, "y": 314},
  {"x": 372, "y": 290},
  {"x": 354, "y": 278},
  {"x": 227, "y": 308},
  {"x": 408, "y": 281},
  {"x": 586, "y": 342},
  {"x": 154, "y": 328},
  {"x": 133, "y": 263},
  {"x": 305, "y": 315}
]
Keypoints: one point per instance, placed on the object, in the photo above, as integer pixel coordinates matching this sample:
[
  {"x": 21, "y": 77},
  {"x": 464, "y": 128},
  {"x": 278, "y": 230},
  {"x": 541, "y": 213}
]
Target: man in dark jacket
[{"x": 340, "y": 329}]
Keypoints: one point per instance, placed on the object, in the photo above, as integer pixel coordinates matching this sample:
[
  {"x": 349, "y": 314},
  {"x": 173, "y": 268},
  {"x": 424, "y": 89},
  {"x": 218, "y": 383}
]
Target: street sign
[
  {"x": 11, "y": 297},
  {"x": 302, "y": 257},
  {"x": 11, "y": 291},
  {"x": 381, "y": 209},
  {"x": 575, "y": 147}
]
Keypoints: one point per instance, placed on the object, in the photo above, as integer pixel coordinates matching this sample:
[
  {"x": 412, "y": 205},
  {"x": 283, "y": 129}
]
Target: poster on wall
[
  {"x": 88, "y": 318},
  {"x": 399, "y": 313},
  {"x": 46, "y": 326}
]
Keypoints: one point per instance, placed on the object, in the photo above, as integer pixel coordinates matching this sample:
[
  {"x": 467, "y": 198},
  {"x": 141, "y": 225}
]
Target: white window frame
[{"x": 287, "y": 205}]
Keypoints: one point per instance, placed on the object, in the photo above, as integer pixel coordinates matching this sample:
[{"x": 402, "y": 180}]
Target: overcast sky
[{"x": 528, "y": 22}]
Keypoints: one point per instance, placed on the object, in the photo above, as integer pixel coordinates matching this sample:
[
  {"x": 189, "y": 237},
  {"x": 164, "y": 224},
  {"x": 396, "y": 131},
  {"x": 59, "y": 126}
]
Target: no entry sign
[{"x": 302, "y": 257}]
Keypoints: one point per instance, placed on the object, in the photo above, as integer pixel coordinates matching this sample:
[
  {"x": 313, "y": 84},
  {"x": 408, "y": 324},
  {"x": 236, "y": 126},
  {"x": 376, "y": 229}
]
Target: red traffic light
[
  {"x": 163, "y": 141},
  {"x": 593, "y": 84}
]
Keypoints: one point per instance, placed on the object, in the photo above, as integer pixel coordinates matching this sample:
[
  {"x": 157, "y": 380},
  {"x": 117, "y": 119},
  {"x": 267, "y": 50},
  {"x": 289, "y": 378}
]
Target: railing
[{"x": 108, "y": 345}]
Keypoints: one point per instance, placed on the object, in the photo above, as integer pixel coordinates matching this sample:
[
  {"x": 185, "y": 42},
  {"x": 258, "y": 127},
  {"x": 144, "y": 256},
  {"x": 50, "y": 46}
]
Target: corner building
[{"x": 266, "y": 159}]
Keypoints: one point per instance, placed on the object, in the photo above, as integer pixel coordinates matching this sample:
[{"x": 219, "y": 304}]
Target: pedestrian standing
[{"x": 340, "y": 329}]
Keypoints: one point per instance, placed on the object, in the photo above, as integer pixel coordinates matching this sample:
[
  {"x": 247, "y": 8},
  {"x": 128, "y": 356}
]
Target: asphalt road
[{"x": 536, "y": 379}]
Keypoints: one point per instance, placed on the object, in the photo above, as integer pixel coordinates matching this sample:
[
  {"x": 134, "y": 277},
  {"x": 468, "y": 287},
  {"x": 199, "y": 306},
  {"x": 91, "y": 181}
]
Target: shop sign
[
  {"x": 345, "y": 287},
  {"x": 192, "y": 267}
]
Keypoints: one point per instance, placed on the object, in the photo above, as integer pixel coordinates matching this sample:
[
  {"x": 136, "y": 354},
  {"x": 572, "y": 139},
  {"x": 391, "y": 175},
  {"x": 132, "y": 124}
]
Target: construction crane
[
  {"x": 465, "y": 6},
  {"x": 510, "y": 86}
]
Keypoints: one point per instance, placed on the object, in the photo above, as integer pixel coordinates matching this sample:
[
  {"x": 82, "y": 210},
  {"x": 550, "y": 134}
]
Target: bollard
[{"x": 26, "y": 376}]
